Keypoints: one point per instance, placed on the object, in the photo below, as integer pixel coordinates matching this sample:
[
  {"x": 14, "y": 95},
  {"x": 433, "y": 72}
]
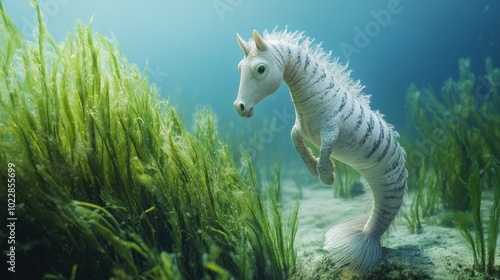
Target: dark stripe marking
[
  {"x": 279, "y": 51},
  {"x": 361, "y": 117},
  {"x": 394, "y": 163},
  {"x": 398, "y": 179},
  {"x": 304, "y": 100},
  {"x": 379, "y": 140},
  {"x": 369, "y": 130},
  {"x": 321, "y": 78},
  {"x": 307, "y": 62},
  {"x": 350, "y": 111},
  {"x": 387, "y": 145},
  {"x": 342, "y": 104},
  {"x": 327, "y": 89}
]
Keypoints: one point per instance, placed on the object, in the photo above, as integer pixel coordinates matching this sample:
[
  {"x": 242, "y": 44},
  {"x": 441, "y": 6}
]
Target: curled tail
[{"x": 355, "y": 244}]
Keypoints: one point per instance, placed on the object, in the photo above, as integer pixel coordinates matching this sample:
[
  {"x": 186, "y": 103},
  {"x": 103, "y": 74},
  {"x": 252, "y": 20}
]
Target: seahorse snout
[{"x": 243, "y": 109}]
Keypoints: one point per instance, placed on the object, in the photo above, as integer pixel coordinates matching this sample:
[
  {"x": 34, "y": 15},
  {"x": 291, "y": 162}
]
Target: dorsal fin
[{"x": 338, "y": 70}]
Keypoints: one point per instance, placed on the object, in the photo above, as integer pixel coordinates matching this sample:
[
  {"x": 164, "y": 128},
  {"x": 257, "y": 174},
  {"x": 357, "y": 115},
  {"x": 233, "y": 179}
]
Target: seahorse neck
[
  {"x": 293, "y": 75},
  {"x": 305, "y": 77}
]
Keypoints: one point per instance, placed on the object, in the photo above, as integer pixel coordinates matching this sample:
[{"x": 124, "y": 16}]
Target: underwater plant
[
  {"x": 110, "y": 184},
  {"x": 455, "y": 154},
  {"x": 483, "y": 244},
  {"x": 347, "y": 185},
  {"x": 464, "y": 115},
  {"x": 425, "y": 201}
]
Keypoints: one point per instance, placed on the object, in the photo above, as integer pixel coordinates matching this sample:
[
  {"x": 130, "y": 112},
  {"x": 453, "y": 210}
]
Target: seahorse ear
[
  {"x": 243, "y": 45},
  {"x": 259, "y": 42}
]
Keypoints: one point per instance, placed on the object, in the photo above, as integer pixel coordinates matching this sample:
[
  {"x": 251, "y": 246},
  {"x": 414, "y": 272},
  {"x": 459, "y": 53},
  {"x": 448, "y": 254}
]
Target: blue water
[{"x": 191, "y": 54}]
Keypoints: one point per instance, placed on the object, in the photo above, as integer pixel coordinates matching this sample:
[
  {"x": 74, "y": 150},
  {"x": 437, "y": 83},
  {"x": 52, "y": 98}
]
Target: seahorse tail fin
[{"x": 352, "y": 248}]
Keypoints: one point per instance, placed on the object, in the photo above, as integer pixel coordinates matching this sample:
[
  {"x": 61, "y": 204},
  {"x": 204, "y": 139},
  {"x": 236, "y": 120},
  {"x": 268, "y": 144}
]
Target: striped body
[{"x": 332, "y": 114}]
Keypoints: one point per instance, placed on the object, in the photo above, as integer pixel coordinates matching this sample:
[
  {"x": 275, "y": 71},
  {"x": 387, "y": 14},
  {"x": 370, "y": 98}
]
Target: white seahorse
[{"x": 334, "y": 115}]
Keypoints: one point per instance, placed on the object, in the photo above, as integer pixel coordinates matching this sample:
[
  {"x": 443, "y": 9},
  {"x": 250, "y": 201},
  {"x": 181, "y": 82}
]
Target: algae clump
[{"x": 110, "y": 184}]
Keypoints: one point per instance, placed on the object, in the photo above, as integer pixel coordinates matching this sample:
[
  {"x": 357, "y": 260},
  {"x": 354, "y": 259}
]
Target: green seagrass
[
  {"x": 454, "y": 152},
  {"x": 110, "y": 184}
]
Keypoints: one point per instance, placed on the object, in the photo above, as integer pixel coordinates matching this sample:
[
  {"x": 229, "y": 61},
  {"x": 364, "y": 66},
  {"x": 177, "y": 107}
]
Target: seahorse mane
[{"x": 338, "y": 70}]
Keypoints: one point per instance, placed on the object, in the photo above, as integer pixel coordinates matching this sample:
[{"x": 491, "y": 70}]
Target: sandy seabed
[{"x": 437, "y": 252}]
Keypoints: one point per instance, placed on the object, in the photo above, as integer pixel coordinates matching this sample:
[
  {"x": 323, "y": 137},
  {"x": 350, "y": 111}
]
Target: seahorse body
[{"x": 334, "y": 115}]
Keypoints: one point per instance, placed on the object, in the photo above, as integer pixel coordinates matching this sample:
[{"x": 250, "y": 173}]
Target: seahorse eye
[{"x": 260, "y": 70}]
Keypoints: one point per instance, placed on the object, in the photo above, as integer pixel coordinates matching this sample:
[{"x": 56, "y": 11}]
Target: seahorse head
[{"x": 261, "y": 74}]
